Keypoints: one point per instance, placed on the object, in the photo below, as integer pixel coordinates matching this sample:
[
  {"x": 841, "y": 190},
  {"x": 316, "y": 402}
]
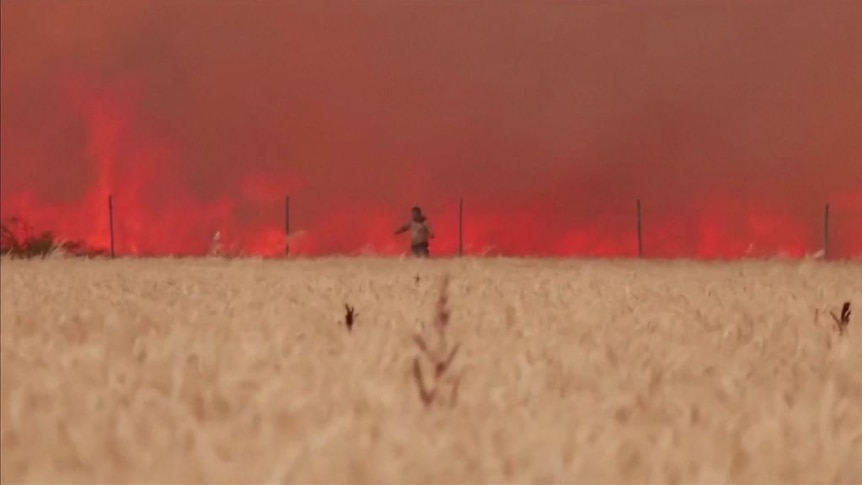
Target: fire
[{"x": 155, "y": 212}]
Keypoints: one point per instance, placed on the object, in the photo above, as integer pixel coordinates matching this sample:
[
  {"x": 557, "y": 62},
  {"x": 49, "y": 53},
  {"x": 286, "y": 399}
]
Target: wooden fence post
[
  {"x": 826, "y": 232},
  {"x": 461, "y": 227},
  {"x": 111, "y": 221},
  {"x": 639, "y": 228},
  {"x": 287, "y": 225}
]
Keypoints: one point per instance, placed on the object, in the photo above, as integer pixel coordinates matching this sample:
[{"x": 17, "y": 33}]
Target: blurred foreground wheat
[{"x": 203, "y": 371}]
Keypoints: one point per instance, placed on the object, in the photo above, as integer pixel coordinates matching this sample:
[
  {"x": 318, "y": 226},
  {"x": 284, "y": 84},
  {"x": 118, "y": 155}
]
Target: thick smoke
[{"x": 733, "y": 123}]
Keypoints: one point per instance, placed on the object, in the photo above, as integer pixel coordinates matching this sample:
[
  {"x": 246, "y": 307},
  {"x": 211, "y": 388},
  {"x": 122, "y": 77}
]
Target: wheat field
[{"x": 574, "y": 371}]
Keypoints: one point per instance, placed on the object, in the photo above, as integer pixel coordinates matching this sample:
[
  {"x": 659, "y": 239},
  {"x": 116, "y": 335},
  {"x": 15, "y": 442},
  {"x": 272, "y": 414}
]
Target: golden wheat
[{"x": 242, "y": 371}]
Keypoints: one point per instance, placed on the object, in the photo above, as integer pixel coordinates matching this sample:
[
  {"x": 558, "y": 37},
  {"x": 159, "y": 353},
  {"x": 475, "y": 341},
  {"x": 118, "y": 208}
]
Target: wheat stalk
[
  {"x": 438, "y": 356},
  {"x": 843, "y": 321},
  {"x": 349, "y": 317}
]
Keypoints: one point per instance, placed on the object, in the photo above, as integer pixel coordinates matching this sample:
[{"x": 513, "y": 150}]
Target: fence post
[
  {"x": 461, "y": 227},
  {"x": 826, "y": 232},
  {"x": 639, "y": 227},
  {"x": 287, "y": 225},
  {"x": 111, "y": 221}
]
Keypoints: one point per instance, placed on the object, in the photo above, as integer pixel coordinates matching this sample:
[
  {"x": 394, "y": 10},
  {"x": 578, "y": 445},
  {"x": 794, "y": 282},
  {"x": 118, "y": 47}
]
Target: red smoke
[{"x": 733, "y": 123}]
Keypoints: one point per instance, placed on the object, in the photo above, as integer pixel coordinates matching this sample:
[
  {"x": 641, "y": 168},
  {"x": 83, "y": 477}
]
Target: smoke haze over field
[{"x": 733, "y": 122}]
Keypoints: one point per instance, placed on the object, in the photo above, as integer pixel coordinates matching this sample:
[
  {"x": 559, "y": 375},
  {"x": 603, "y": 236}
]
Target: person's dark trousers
[{"x": 420, "y": 250}]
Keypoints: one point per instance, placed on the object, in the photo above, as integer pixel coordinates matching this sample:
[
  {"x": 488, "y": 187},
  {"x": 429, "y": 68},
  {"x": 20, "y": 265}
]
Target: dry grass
[{"x": 190, "y": 371}]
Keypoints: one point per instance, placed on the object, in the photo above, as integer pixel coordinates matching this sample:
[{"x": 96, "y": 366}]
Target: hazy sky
[{"x": 571, "y": 105}]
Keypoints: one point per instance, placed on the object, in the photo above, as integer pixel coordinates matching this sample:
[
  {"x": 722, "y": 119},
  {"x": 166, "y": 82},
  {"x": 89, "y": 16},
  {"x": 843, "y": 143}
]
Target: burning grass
[{"x": 211, "y": 370}]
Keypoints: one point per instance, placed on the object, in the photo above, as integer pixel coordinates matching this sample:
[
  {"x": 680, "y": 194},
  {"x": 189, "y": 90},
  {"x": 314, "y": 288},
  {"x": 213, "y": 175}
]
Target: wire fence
[
  {"x": 312, "y": 225},
  {"x": 460, "y": 233}
]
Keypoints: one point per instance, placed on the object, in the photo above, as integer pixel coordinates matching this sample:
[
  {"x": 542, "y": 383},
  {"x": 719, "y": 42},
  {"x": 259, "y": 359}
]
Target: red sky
[{"x": 733, "y": 121}]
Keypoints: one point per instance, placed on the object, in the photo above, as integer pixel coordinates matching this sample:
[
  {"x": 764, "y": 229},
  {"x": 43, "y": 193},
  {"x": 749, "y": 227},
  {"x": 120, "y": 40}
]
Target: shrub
[{"x": 18, "y": 239}]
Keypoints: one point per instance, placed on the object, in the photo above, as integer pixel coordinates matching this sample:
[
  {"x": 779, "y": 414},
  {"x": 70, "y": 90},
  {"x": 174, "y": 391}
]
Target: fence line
[{"x": 638, "y": 227}]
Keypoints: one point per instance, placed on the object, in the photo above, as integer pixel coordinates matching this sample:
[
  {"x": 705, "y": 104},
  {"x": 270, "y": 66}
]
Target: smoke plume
[{"x": 734, "y": 123}]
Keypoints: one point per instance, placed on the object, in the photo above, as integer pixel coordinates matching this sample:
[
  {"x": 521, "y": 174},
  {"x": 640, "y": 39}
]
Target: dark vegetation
[
  {"x": 349, "y": 317},
  {"x": 843, "y": 321},
  {"x": 438, "y": 358},
  {"x": 18, "y": 239}
]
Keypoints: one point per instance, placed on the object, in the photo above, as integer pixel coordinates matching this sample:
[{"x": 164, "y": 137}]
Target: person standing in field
[{"x": 420, "y": 233}]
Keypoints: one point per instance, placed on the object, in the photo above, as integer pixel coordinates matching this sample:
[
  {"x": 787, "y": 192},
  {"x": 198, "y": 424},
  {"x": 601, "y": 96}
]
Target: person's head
[{"x": 416, "y": 213}]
